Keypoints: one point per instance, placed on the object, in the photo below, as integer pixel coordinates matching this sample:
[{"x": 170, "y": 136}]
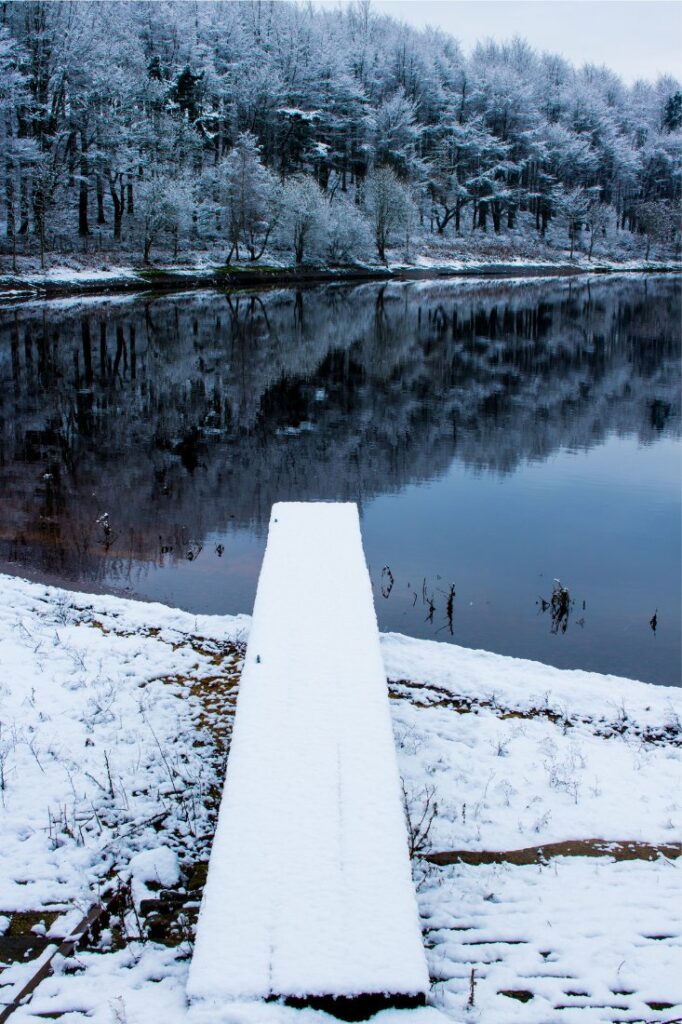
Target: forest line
[{"x": 254, "y": 130}]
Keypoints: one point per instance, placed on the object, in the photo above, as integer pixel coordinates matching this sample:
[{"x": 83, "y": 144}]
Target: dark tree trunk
[
  {"x": 24, "y": 206},
  {"x": 11, "y": 215},
  {"x": 83, "y": 226},
  {"x": 99, "y": 185},
  {"x": 39, "y": 220},
  {"x": 9, "y": 200},
  {"x": 117, "y": 200}
]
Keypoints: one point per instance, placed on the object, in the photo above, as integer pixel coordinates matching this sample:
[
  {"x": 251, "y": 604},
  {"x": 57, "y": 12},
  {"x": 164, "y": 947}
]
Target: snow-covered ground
[
  {"x": 75, "y": 277},
  {"x": 115, "y": 716}
]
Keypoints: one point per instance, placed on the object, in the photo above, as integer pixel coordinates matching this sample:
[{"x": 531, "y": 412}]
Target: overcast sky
[{"x": 637, "y": 38}]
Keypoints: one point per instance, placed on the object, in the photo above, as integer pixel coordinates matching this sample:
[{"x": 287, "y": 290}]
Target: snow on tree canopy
[{"x": 309, "y": 890}]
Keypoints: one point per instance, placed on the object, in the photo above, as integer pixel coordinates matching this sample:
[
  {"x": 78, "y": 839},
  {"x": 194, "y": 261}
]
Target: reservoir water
[{"x": 498, "y": 437}]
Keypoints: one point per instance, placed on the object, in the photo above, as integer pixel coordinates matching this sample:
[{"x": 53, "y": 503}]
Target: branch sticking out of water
[{"x": 387, "y": 581}]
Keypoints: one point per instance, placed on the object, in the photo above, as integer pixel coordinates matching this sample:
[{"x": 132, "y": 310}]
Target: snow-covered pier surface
[{"x": 309, "y": 892}]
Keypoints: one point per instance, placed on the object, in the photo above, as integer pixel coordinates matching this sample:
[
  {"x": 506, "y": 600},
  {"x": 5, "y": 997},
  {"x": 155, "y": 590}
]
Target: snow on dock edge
[{"x": 309, "y": 888}]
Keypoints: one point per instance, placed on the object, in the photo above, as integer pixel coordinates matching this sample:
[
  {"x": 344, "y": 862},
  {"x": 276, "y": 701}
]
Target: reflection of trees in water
[{"x": 179, "y": 415}]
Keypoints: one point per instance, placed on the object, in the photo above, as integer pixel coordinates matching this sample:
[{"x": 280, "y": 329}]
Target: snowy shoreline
[
  {"x": 60, "y": 282},
  {"x": 116, "y": 717}
]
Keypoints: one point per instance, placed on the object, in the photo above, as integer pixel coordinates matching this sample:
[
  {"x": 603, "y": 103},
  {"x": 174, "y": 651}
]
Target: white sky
[{"x": 636, "y": 38}]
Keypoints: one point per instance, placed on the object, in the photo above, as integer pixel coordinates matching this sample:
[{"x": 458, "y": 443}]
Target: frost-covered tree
[
  {"x": 18, "y": 153},
  {"x": 250, "y": 198},
  {"x": 396, "y": 134},
  {"x": 162, "y": 209},
  {"x": 598, "y": 218},
  {"x": 657, "y": 220},
  {"x": 303, "y": 221},
  {"x": 573, "y": 205},
  {"x": 388, "y": 204},
  {"x": 348, "y": 236}
]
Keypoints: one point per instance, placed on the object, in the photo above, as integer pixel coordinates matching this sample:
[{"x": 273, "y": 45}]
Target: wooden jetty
[{"x": 309, "y": 897}]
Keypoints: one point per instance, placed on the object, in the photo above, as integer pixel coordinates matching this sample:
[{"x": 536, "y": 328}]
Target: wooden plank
[
  {"x": 309, "y": 892},
  {"x": 44, "y": 965}
]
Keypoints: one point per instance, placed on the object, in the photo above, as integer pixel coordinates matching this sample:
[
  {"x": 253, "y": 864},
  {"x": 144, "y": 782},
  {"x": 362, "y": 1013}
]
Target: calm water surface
[{"x": 497, "y": 437}]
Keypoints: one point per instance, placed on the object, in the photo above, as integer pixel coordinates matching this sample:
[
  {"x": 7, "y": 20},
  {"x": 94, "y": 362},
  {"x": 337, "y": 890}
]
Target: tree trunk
[
  {"x": 381, "y": 247},
  {"x": 83, "y": 226},
  {"x": 9, "y": 200},
  {"x": 117, "y": 200},
  {"x": 299, "y": 246},
  {"x": 39, "y": 220},
  {"x": 99, "y": 186},
  {"x": 24, "y": 206},
  {"x": 448, "y": 214}
]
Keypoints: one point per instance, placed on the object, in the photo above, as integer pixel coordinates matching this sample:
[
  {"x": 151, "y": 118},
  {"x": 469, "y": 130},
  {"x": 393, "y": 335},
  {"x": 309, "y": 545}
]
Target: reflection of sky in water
[{"x": 605, "y": 521}]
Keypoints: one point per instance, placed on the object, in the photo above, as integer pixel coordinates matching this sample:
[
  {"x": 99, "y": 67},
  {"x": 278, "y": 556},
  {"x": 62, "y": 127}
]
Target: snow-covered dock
[{"x": 309, "y": 894}]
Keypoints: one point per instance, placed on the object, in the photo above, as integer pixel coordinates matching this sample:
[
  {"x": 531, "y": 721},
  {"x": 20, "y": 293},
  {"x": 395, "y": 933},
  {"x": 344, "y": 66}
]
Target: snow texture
[
  {"x": 557, "y": 754},
  {"x": 587, "y": 940},
  {"x": 309, "y": 889},
  {"x": 96, "y": 737},
  {"x": 158, "y": 866}
]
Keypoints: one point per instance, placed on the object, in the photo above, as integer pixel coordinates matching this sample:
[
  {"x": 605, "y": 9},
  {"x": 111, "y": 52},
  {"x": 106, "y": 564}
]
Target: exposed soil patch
[
  {"x": 426, "y": 695},
  {"x": 616, "y": 849},
  {"x": 20, "y": 941},
  {"x": 521, "y": 994}
]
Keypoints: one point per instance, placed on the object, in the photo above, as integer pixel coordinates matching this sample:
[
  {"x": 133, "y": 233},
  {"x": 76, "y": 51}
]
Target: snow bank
[
  {"x": 520, "y": 683},
  {"x": 309, "y": 889}
]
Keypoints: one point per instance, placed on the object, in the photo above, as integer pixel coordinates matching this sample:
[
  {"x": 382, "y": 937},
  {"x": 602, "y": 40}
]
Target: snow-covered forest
[{"x": 259, "y": 130}]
